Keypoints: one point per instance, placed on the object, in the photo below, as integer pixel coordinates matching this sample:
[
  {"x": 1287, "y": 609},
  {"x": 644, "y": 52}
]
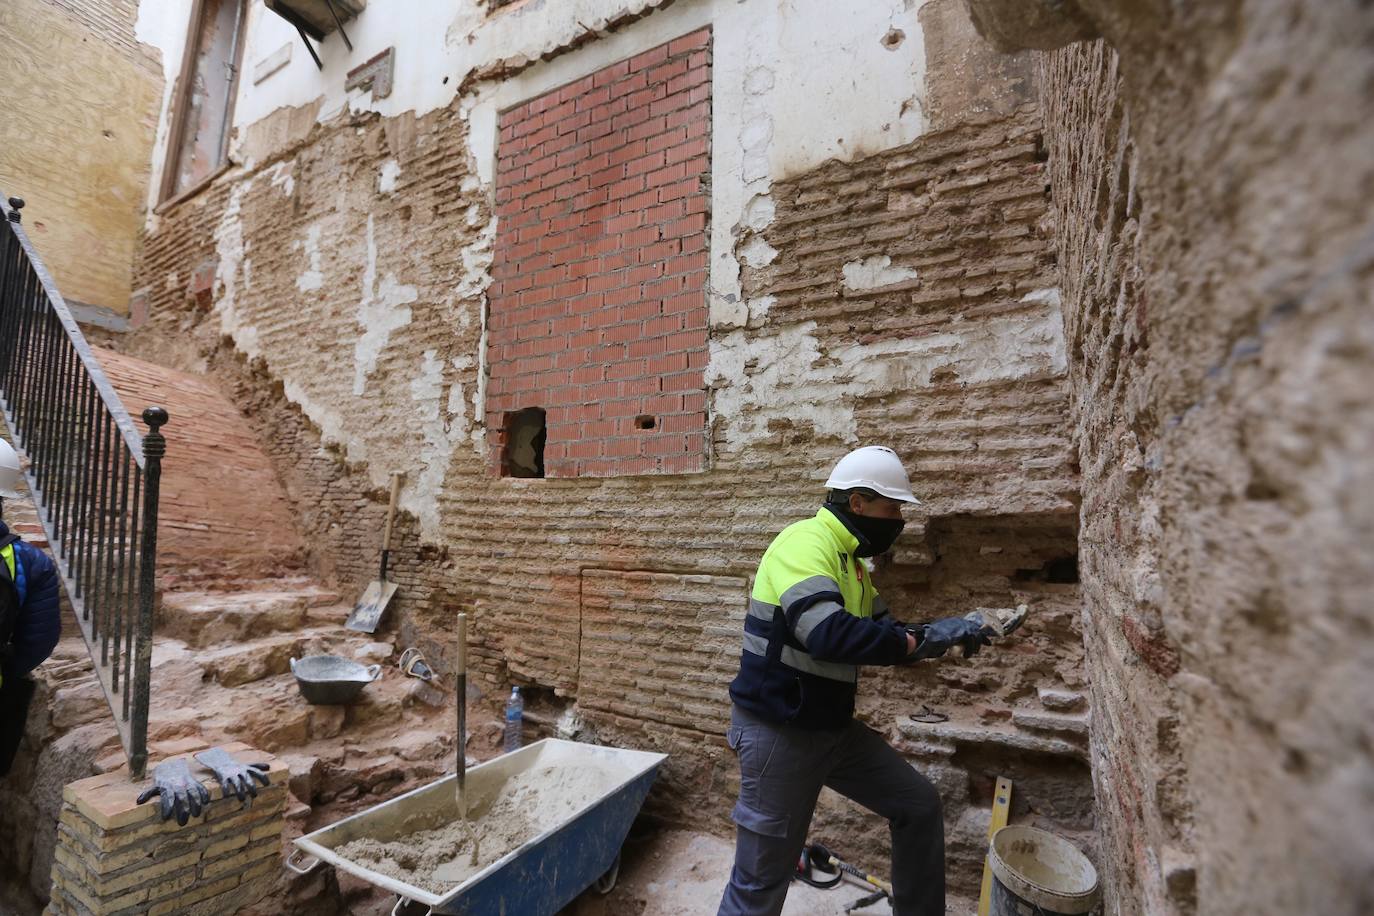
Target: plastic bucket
[{"x": 1035, "y": 873}]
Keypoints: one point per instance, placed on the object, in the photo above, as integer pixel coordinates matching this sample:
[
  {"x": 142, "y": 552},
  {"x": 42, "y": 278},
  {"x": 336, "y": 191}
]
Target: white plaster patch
[
  {"x": 757, "y": 252},
  {"x": 229, "y": 254},
  {"x": 381, "y": 310},
  {"x": 787, "y": 376},
  {"x": 312, "y": 278},
  {"x": 386, "y": 179},
  {"x": 871, "y": 273},
  {"x": 331, "y": 423},
  {"x": 443, "y": 423},
  {"x": 758, "y": 308},
  {"x": 759, "y": 212},
  {"x": 283, "y": 176},
  {"x": 1047, "y": 296}
]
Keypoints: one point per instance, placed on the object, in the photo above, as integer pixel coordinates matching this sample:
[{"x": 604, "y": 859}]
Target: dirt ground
[{"x": 678, "y": 873}]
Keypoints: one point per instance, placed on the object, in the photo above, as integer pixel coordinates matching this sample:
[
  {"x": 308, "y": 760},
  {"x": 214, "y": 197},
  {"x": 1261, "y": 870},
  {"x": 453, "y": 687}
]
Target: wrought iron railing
[{"x": 93, "y": 477}]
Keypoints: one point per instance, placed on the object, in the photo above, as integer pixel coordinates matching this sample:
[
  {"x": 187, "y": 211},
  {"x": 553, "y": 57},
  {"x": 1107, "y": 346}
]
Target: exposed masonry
[
  {"x": 598, "y": 309},
  {"x": 982, "y": 429}
]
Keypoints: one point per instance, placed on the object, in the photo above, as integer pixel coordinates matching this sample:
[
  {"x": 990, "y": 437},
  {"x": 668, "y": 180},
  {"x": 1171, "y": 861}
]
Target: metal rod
[
  {"x": 135, "y": 538},
  {"x": 20, "y": 403},
  {"x": 83, "y": 544},
  {"x": 339, "y": 25},
  {"x": 117, "y": 581},
  {"x": 59, "y": 496},
  {"x": 38, "y": 443},
  {"x": 311, "y": 48},
  {"x": 98, "y": 524},
  {"x": 8, "y": 260},
  {"x": 154, "y": 447},
  {"x": 106, "y": 540},
  {"x": 462, "y": 671}
]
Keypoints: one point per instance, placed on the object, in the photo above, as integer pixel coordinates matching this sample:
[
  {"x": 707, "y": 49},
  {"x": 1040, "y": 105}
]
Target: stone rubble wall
[{"x": 1210, "y": 169}]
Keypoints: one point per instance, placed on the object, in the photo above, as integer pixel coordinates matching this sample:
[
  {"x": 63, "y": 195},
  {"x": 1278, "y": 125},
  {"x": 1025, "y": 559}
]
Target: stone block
[
  {"x": 305, "y": 774},
  {"x": 244, "y": 663},
  {"x": 327, "y": 721},
  {"x": 374, "y": 652},
  {"x": 277, "y": 727},
  {"x": 1061, "y": 700}
]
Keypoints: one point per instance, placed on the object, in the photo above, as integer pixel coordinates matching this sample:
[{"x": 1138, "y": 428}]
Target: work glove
[
  {"x": 935, "y": 639},
  {"x": 235, "y": 778},
  {"x": 181, "y": 792}
]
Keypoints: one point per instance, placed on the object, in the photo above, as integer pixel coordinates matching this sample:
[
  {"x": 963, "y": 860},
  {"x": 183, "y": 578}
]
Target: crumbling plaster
[{"x": 795, "y": 84}]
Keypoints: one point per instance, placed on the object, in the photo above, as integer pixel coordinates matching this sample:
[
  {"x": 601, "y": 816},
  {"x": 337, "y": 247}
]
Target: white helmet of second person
[
  {"x": 11, "y": 475},
  {"x": 873, "y": 467}
]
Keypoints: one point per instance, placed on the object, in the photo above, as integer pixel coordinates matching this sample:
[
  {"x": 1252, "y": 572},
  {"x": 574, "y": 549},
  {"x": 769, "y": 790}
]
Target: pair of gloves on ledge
[{"x": 182, "y": 794}]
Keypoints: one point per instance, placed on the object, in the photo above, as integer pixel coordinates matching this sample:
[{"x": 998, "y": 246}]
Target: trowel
[
  {"x": 368, "y": 611},
  {"x": 1000, "y": 621}
]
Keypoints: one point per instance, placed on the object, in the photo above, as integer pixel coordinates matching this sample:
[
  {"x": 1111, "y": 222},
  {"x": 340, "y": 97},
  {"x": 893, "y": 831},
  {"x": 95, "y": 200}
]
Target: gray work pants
[{"x": 782, "y": 770}]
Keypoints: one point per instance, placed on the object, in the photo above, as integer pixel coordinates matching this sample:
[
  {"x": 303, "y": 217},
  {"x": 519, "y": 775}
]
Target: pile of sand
[{"x": 436, "y": 859}]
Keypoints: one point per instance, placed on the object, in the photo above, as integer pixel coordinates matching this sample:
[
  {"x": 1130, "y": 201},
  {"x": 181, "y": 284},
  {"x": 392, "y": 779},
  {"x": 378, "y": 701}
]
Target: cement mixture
[{"x": 438, "y": 858}]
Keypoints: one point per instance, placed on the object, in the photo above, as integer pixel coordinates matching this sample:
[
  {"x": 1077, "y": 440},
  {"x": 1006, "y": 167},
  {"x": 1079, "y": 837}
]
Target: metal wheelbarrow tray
[{"x": 539, "y": 877}]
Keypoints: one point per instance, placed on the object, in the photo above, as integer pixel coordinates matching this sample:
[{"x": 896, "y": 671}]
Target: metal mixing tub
[
  {"x": 329, "y": 680},
  {"x": 541, "y": 876}
]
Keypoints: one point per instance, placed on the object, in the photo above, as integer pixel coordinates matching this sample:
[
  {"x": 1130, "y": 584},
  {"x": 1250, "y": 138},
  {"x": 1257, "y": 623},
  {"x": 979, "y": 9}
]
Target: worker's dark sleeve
[
  {"x": 39, "y": 624},
  {"x": 842, "y": 637},
  {"x": 814, "y": 609}
]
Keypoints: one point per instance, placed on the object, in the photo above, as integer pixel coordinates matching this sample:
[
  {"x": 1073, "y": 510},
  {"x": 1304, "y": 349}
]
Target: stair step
[{"x": 201, "y": 618}]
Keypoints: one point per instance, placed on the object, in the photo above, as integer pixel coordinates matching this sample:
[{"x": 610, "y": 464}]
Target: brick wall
[
  {"x": 223, "y": 512},
  {"x": 81, "y": 103},
  {"x": 971, "y": 394},
  {"x": 115, "y": 856},
  {"x": 1217, "y": 279},
  {"x": 598, "y": 309}
]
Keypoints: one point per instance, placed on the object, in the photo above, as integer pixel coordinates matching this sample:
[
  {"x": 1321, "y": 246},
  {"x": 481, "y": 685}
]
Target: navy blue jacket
[{"x": 39, "y": 624}]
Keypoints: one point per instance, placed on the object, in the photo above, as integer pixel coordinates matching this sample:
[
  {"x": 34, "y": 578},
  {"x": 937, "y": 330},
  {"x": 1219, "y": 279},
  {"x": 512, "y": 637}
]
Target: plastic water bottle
[{"x": 515, "y": 714}]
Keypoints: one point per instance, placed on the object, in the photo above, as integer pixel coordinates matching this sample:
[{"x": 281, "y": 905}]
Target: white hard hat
[
  {"x": 11, "y": 475},
  {"x": 873, "y": 467}
]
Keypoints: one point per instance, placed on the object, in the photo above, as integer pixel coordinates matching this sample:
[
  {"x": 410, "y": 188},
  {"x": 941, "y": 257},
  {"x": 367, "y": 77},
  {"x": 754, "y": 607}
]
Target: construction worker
[
  {"x": 29, "y": 616},
  {"x": 814, "y": 617}
]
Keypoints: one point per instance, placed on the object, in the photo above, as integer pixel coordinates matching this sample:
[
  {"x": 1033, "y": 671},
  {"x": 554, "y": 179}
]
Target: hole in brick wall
[
  {"x": 525, "y": 437},
  {"x": 544, "y": 712},
  {"x": 644, "y": 421},
  {"x": 1061, "y": 570}
]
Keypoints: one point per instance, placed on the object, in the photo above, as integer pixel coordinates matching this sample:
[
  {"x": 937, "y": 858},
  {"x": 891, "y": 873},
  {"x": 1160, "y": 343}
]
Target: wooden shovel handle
[{"x": 391, "y": 510}]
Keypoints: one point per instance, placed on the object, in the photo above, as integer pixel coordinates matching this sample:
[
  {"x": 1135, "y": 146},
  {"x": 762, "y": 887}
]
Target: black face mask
[{"x": 876, "y": 535}]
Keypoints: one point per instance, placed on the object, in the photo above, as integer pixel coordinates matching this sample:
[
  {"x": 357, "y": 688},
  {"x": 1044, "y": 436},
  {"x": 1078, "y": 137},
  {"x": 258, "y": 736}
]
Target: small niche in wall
[
  {"x": 646, "y": 421},
  {"x": 525, "y": 437}
]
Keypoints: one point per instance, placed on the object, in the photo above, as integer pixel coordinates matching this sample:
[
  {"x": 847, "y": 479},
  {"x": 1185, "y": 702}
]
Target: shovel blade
[{"x": 367, "y": 613}]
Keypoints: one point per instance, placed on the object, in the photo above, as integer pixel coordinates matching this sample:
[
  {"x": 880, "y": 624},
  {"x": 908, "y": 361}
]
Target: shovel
[{"x": 368, "y": 611}]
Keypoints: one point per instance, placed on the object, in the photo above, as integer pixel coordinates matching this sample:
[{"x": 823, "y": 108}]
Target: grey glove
[
  {"x": 235, "y": 778},
  {"x": 181, "y": 792},
  {"x": 935, "y": 639}
]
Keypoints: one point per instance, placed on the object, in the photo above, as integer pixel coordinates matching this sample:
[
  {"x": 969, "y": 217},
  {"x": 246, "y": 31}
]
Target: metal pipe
[
  {"x": 154, "y": 447},
  {"x": 462, "y": 693}
]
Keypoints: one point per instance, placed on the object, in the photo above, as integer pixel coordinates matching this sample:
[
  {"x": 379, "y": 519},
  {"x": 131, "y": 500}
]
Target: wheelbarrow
[{"x": 539, "y": 877}]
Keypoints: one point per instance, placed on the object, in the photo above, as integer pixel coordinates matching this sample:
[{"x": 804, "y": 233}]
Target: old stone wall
[
  {"x": 1210, "y": 170},
  {"x": 926, "y": 272},
  {"x": 78, "y": 149}
]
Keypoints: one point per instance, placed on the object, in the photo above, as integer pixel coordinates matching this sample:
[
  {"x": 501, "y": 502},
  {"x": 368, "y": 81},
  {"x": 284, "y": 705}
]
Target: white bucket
[{"x": 1039, "y": 873}]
